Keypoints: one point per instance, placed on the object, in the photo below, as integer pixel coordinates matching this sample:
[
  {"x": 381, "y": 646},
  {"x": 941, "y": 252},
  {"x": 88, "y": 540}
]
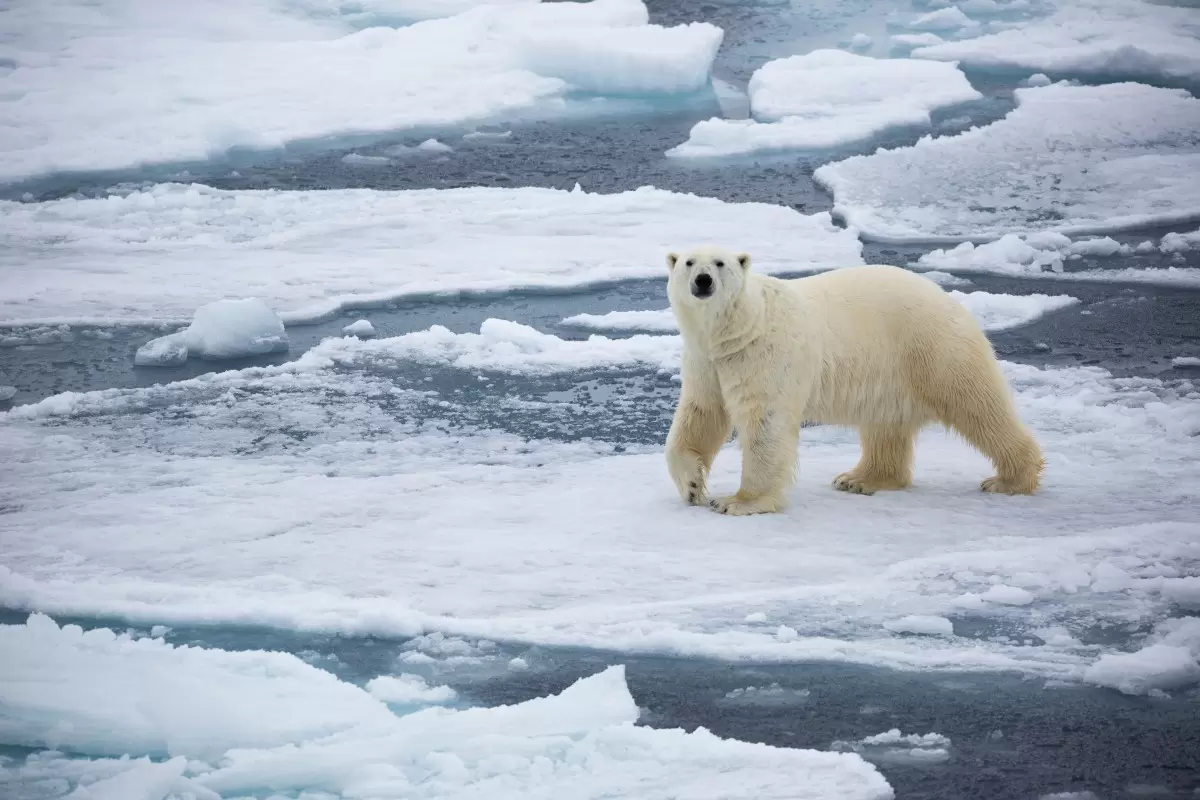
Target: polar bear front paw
[
  {"x": 736, "y": 506},
  {"x": 850, "y": 482},
  {"x": 695, "y": 493}
]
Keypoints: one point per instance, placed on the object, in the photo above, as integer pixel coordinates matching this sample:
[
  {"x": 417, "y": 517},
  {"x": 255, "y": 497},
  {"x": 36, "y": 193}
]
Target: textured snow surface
[
  {"x": 1068, "y": 158},
  {"x": 1044, "y": 255},
  {"x": 830, "y": 98},
  {"x": 243, "y": 722},
  {"x": 124, "y": 83},
  {"x": 1095, "y": 39},
  {"x": 994, "y": 312},
  {"x": 350, "y": 514},
  {"x": 163, "y": 252}
]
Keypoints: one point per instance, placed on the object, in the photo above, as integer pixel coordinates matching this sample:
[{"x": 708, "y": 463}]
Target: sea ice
[
  {"x": 171, "y": 248},
  {"x": 1043, "y": 255},
  {"x": 894, "y": 747},
  {"x": 118, "y": 85},
  {"x": 242, "y": 722},
  {"x": 1158, "y": 666},
  {"x": 361, "y": 328},
  {"x": 220, "y": 330},
  {"x": 9, "y": 392},
  {"x": 1074, "y": 159},
  {"x": 409, "y": 690},
  {"x": 124, "y": 503},
  {"x": 950, "y": 18},
  {"x": 102, "y": 693},
  {"x": 829, "y": 98},
  {"x": 658, "y": 320},
  {"x": 1092, "y": 39},
  {"x": 1177, "y": 361}
]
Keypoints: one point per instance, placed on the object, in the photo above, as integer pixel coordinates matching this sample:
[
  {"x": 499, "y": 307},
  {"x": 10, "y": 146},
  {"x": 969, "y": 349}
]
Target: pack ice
[
  {"x": 1093, "y": 39},
  {"x": 122, "y": 84},
  {"x": 171, "y": 248},
  {"x": 1071, "y": 159},
  {"x": 829, "y": 98},
  {"x": 127, "y": 503},
  {"x": 236, "y": 724},
  {"x": 220, "y": 330}
]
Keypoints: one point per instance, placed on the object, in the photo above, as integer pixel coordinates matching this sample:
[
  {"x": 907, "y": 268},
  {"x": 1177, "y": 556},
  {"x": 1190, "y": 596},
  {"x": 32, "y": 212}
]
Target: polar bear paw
[
  {"x": 737, "y": 506},
  {"x": 695, "y": 493},
  {"x": 997, "y": 485},
  {"x": 850, "y": 482}
]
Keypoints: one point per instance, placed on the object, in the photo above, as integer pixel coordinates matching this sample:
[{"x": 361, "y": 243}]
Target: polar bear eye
[
  {"x": 691, "y": 262},
  {"x": 720, "y": 263}
]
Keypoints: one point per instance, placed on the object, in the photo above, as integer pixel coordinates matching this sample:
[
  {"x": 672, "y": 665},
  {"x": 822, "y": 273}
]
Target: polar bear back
[{"x": 887, "y": 339}]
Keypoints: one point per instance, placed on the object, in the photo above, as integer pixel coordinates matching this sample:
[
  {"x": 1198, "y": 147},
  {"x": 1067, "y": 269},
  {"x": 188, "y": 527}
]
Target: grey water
[{"x": 1011, "y": 738}]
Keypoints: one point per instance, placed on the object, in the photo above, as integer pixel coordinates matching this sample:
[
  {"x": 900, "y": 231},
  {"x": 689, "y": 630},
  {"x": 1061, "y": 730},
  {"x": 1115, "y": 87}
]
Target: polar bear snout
[{"x": 702, "y": 285}]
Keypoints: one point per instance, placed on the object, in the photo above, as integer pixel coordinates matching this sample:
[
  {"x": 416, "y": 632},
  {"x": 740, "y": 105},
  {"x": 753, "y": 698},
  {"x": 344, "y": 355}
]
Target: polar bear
[{"x": 878, "y": 348}]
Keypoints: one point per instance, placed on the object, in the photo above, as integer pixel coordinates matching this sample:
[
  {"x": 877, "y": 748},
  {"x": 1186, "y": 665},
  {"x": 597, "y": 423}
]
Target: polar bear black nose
[{"x": 704, "y": 284}]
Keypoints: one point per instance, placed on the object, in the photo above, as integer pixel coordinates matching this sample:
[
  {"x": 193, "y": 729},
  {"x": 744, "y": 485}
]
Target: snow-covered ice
[
  {"x": 1074, "y": 159},
  {"x": 950, "y": 18},
  {"x": 408, "y": 690},
  {"x": 361, "y": 328},
  {"x": 1093, "y": 39},
  {"x": 994, "y": 312},
  {"x": 1044, "y": 255},
  {"x": 121, "y": 84},
  {"x": 1158, "y": 666},
  {"x": 123, "y": 503},
  {"x": 221, "y": 330},
  {"x": 102, "y": 693},
  {"x": 160, "y": 253},
  {"x": 829, "y": 98},
  {"x": 242, "y": 722},
  {"x": 894, "y": 747},
  {"x": 660, "y": 320},
  {"x": 1185, "y": 361}
]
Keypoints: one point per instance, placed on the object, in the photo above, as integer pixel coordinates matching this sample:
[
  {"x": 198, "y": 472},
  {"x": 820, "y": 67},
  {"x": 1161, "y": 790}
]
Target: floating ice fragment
[
  {"x": 221, "y": 330},
  {"x": 7, "y": 393},
  {"x": 1158, "y": 666},
  {"x": 1007, "y": 595},
  {"x": 165, "y": 351},
  {"x": 362, "y": 328},
  {"x": 944, "y": 19},
  {"x": 407, "y": 689}
]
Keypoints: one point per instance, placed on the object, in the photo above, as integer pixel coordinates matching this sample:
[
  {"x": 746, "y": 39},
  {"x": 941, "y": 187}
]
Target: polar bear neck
[{"x": 733, "y": 327}]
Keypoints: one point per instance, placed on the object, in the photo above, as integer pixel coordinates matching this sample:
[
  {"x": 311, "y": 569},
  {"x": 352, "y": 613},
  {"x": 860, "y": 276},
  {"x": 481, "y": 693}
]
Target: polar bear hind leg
[
  {"x": 977, "y": 404},
  {"x": 886, "y": 461}
]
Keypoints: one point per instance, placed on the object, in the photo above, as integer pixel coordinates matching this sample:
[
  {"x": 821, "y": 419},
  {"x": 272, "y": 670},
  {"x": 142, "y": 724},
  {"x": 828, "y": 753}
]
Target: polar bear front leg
[
  {"x": 768, "y": 442},
  {"x": 701, "y": 425}
]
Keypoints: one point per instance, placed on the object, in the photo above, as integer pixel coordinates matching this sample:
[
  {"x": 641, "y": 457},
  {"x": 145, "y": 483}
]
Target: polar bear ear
[
  {"x": 744, "y": 260},
  {"x": 671, "y": 259}
]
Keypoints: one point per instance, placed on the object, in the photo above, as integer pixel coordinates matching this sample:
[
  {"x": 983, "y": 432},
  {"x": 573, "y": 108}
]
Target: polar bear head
[{"x": 706, "y": 275}]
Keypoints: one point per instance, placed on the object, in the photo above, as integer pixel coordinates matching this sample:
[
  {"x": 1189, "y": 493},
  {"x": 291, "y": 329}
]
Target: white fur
[{"x": 877, "y": 347}]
